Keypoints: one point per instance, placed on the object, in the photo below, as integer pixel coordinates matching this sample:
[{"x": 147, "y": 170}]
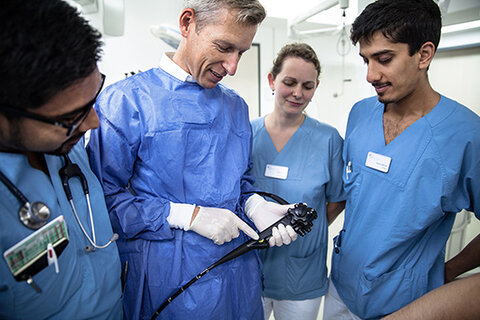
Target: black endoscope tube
[
  {"x": 270, "y": 195},
  {"x": 244, "y": 248}
]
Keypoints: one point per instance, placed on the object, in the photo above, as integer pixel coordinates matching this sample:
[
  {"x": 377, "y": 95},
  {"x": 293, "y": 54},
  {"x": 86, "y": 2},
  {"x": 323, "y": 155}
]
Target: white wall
[{"x": 137, "y": 49}]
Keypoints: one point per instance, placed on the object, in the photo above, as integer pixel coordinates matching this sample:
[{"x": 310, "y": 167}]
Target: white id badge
[
  {"x": 30, "y": 255},
  {"x": 277, "y": 172},
  {"x": 378, "y": 162}
]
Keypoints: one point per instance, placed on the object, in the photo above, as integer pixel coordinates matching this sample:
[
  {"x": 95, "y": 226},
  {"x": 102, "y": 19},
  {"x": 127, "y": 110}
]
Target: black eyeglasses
[{"x": 70, "y": 125}]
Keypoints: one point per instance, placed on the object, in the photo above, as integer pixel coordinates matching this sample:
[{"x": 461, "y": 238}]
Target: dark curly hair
[
  {"x": 45, "y": 47},
  {"x": 413, "y": 22},
  {"x": 298, "y": 50}
]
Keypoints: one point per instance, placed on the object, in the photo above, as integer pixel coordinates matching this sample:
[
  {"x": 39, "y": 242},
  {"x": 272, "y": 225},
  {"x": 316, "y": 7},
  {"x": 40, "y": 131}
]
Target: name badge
[
  {"x": 378, "y": 162},
  {"x": 277, "y": 172},
  {"x": 30, "y": 255}
]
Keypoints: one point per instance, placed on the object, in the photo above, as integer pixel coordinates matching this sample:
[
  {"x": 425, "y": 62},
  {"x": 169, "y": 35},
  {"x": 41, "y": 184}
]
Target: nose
[
  {"x": 90, "y": 122},
  {"x": 373, "y": 74},
  {"x": 297, "y": 91},
  {"x": 231, "y": 63}
]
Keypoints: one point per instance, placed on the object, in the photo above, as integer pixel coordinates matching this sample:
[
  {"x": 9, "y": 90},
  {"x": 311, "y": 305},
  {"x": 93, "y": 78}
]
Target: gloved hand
[
  {"x": 219, "y": 225},
  {"x": 265, "y": 213}
]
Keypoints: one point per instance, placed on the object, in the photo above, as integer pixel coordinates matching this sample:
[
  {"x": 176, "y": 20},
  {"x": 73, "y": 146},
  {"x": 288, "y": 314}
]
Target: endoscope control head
[{"x": 301, "y": 218}]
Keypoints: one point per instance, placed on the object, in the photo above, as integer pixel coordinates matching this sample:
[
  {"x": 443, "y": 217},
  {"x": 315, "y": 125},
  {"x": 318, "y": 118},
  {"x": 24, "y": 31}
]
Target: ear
[
  {"x": 426, "y": 53},
  {"x": 187, "y": 21},
  {"x": 271, "y": 81},
  {"x": 318, "y": 82}
]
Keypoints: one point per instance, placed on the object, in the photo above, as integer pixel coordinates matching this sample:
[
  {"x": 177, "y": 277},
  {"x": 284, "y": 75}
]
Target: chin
[
  {"x": 66, "y": 146},
  {"x": 208, "y": 84},
  {"x": 384, "y": 100},
  {"x": 62, "y": 150}
]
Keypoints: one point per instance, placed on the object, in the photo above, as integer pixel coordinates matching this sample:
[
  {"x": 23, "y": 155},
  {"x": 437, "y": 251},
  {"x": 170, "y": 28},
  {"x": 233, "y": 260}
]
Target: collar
[{"x": 167, "y": 64}]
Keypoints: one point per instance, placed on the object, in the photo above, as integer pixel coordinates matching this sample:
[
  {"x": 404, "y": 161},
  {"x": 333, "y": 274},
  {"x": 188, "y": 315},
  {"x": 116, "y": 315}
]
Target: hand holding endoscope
[{"x": 300, "y": 218}]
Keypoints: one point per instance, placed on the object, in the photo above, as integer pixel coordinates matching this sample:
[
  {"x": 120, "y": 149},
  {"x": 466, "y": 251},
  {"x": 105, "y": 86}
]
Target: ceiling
[{"x": 458, "y": 11}]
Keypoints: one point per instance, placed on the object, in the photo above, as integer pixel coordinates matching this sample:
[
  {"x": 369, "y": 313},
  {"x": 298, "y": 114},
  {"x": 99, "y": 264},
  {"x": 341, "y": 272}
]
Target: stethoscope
[{"x": 34, "y": 215}]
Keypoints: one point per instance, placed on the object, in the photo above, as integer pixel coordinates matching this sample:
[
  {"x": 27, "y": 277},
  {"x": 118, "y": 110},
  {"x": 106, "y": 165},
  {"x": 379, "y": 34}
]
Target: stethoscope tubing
[
  {"x": 34, "y": 221},
  {"x": 13, "y": 189},
  {"x": 71, "y": 170}
]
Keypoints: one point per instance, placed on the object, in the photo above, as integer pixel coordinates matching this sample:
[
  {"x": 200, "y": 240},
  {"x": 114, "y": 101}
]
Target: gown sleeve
[{"x": 113, "y": 151}]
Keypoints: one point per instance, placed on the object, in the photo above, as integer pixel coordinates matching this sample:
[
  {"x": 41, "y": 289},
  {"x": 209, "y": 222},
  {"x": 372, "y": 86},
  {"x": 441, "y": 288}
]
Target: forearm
[
  {"x": 333, "y": 210},
  {"x": 467, "y": 259},
  {"x": 136, "y": 217},
  {"x": 455, "y": 300}
]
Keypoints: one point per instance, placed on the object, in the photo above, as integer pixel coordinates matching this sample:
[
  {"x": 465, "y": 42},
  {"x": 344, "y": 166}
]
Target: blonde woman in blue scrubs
[{"x": 299, "y": 159}]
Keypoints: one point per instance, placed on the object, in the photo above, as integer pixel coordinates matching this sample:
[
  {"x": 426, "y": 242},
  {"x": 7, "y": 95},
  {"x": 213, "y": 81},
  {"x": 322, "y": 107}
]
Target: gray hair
[{"x": 249, "y": 12}]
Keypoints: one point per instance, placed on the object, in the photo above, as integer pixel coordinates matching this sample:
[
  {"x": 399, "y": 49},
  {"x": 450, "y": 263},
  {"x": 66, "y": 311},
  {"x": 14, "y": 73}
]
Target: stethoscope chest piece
[{"x": 34, "y": 215}]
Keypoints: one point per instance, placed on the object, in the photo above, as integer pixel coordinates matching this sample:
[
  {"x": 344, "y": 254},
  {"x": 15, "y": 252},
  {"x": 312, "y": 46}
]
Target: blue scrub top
[
  {"x": 88, "y": 284},
  {"x": 313, "y": 156},
  {"x": 397, "y": 223},
  {"x": 162, "y": 139}
]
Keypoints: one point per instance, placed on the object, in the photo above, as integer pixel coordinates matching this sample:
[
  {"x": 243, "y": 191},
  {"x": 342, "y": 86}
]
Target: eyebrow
[
  {"x": 224, "y": 43},
  {"x": 75, "y": 112},
  {"x": 379, "y": 53},
  {"x": 296, "y": 80}
]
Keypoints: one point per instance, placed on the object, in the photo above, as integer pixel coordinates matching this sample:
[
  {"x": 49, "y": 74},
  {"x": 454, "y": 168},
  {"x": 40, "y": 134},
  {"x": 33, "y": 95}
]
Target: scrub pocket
[
  {"x": 306, "y": 274},
  {"x": 352, "y": 181},
  {"x": 392, "y": 290},
  {"x": 54, "y": 286}
]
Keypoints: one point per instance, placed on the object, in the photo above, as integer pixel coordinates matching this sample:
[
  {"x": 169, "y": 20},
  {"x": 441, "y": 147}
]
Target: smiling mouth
[
  {"x": 217, "y": 76},
  {"x": 295, "y": 104},
  {"x": 380, "y": 87}
]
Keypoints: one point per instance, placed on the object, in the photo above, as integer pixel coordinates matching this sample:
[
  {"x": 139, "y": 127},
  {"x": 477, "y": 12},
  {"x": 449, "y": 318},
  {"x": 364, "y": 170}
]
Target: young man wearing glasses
[{"x": 49, "y": 84}]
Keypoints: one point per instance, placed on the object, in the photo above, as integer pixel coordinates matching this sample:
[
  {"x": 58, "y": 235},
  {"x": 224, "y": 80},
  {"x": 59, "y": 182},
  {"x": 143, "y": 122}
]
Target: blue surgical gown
[
  {"x": 397, "y": 223},
  {"x": 88, "y": 284},
  {"x": 160, "y": 140},
  {"x": 313, "y": 156}
]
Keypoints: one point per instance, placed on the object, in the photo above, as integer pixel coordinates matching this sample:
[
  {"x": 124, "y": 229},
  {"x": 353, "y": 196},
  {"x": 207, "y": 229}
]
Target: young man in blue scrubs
[
  {"x": 172, "y": 152},
  {"x": 411, "y": 163},
  {"x": 49, "y": 82}
]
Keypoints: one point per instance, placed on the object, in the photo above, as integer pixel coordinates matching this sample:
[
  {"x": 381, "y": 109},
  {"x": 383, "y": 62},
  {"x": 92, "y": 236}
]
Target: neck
[
  {"x": 37, "y": 161},
  {"x": 179, "y": 57},
  {"x": 284, "y": 122},
  {"x": 418, "y": 103}
]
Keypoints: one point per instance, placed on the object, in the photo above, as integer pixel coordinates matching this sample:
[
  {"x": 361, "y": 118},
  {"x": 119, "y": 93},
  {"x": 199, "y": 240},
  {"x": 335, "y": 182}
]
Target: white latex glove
[
  {"x": 265, "y": 213},
  {"x": 219, "y": 225}
]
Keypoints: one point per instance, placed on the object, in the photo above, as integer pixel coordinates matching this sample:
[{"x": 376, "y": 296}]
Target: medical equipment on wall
[
  {"x": 72, "y": 170},
  {"x": 167, "y": 33},
  {"x": 300, "y": 218},
  {"x": 343, "y": 48}
]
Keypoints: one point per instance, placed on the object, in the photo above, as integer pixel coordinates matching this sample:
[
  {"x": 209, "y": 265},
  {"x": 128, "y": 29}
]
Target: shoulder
[
  {"x": 455, "y": 119},
  {"x": 140, "y": 80},
  {"x": 229, "y": 94},
  {"x": 321, "y": 129},
  {"x": 257, "y": 123},
  {"x": 127, "y": 90},
  {"x": 364, "y": 106}
]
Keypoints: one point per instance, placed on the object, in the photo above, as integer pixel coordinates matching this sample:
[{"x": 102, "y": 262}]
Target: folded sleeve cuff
[
  {"x": 252, "y": 203},
  {"x": 180, "y": 215}
]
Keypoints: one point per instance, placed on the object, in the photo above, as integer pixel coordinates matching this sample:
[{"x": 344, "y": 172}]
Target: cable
[{"x": 299, "y": 218}]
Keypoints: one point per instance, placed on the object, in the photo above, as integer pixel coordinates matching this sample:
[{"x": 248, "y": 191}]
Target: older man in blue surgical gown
[{"x": 172, "y": 153}]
